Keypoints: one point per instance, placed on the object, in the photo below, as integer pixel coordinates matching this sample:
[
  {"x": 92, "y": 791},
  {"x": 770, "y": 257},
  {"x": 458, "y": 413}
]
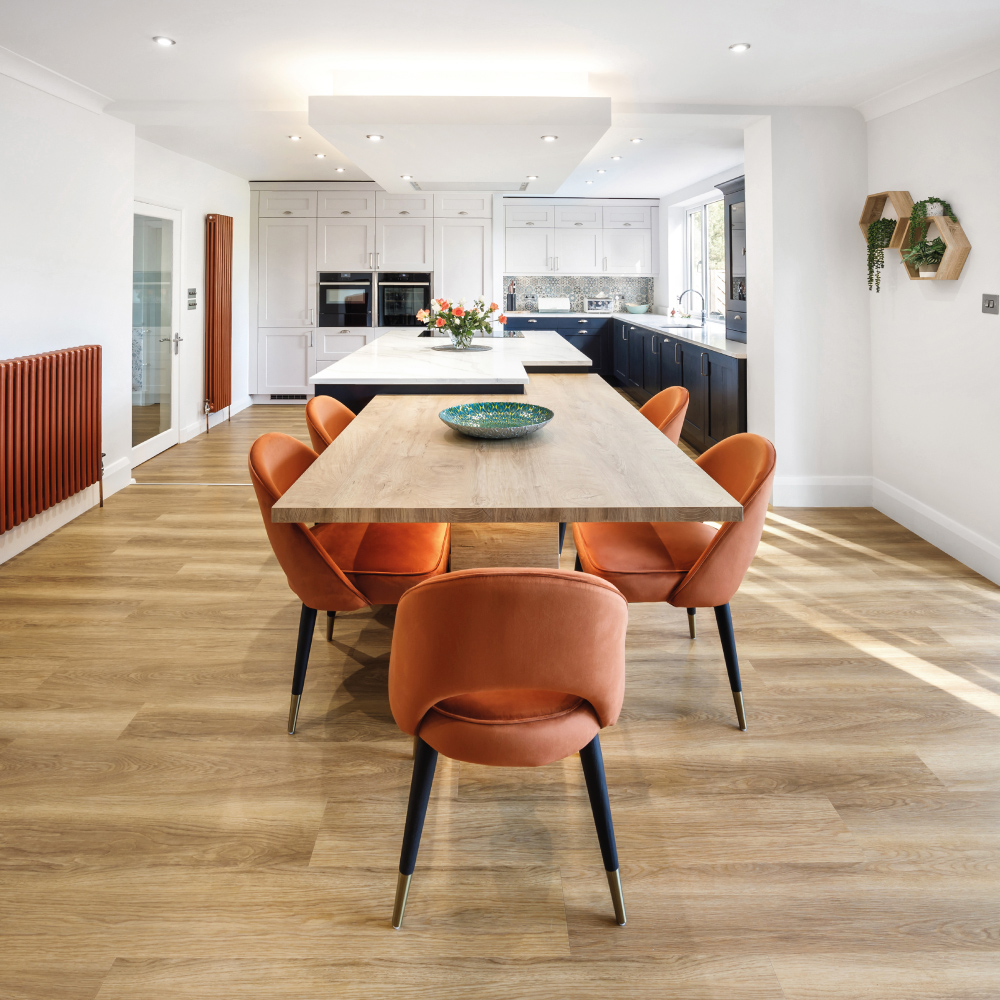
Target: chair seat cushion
[
  {"x": 644, "y": 561},
  {"x": 384, "y": 560},
  {"x": 502, "y": 707}
]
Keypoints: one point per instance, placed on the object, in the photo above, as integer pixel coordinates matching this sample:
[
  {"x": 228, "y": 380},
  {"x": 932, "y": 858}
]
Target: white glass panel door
[{"x": 156, "y": 341}]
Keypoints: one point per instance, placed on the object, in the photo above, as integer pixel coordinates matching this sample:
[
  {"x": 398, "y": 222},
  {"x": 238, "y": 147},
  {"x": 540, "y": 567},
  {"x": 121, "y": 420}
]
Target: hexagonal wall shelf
[{"x": 875, "y": 205}]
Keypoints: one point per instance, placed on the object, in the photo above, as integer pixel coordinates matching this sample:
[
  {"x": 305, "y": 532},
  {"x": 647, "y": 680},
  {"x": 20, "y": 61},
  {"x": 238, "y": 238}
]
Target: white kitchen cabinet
[
  {"x": 346, "y": 204},
  {"x": 287, "y": 204},
  {"x": 286, "y": 272},
  {"x": 332, "y": 343},
  {"x": 463, "y": 258},
  {"x": 578, "y": 217},
  {"x": 414, "y": 206},
  {"x": 528, "y": 251},
  {"x": 628, "y": 217},
  {"x": 285, "y": 360},
  {"x": 628, "y": 251},
  {"x": 464, "y": 205},
  {"x": 404, "y": 244},
  {"x": 578, "y": 251},
  {"x": 529, "y": 215},
  {"x": 345, "y": 244}
]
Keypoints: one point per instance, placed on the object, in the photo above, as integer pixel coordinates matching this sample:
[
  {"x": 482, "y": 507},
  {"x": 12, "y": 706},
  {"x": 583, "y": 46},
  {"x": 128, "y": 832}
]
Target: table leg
[{"x": 477, "y": 545}]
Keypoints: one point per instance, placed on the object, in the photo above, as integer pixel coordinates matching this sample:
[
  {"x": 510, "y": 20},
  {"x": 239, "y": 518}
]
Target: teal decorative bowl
[
  {"x": 633, "y": 308},
  {"x": 496, "y": 420}
]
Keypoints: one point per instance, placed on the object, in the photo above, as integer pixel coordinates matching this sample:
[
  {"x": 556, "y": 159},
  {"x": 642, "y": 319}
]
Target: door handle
[
  {"x": 310, "y": 338},
  {"x": 677, "y": 347},
  {"x": 655, "y": 351},
  {"x": 177, "y": 343},
  {"x": 701, "y": 366},
  {"x": 624, "y": 333},
  {"x": 605, "y": 263},
  {"x": 378, "y": 259},
  {"x": 371, "y": 261},
  {"x": 311, "y": 317}
]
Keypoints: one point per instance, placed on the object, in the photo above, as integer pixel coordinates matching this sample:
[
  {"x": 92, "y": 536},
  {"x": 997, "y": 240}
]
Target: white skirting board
[
  {"x": 822, "y": 491},
  {"x": 117, "y": 476}
]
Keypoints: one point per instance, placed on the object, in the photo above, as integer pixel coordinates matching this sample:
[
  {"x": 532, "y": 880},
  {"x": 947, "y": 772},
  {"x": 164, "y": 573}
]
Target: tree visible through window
[{"x": 705, "y": 264}]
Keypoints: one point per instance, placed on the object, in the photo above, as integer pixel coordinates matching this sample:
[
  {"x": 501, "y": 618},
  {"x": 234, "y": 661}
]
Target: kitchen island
[{"x": 406, "y": 363}]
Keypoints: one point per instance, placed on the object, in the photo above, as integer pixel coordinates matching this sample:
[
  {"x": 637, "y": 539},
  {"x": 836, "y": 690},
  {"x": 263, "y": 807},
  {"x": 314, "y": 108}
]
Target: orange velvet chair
[
  {"x": 511, "y": 668},
  {"x": 326, "y": 417},
  {"x": 337, "y": 567},
  {"x": 689, "y": 564},
  {"x": 667, "y": 410}
]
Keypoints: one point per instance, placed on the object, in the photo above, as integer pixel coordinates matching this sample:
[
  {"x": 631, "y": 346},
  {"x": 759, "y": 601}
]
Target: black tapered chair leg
[
  {"x": 597, "y": 788},
  {"x": 562, "y": 535},
  {"x": 692, "y": 623},
  {"x": 307, "y": 622},
  {"x": 724, "y": 618},
  {"x": 331, "y": 617},
  {"x": 424, "y": 762}
]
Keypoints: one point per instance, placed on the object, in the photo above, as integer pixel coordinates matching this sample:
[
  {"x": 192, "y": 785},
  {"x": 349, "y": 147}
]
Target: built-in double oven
[
  {"x": 401, "y": 295},
  {"x": 345, "y": 298}
]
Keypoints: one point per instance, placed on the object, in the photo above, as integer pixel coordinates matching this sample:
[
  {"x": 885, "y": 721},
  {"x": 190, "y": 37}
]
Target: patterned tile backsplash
[{"x": 637, "y": 290}]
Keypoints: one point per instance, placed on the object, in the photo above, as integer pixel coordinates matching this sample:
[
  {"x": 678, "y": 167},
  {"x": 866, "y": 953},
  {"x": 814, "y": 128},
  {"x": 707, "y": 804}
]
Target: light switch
[
  {"x": 991, "y": 303},
  {"x": 192, "y": 298}
]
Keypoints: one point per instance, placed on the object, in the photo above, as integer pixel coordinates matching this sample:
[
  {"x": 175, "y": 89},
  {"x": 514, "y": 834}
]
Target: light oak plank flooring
[{"x": 162, "y": 838}]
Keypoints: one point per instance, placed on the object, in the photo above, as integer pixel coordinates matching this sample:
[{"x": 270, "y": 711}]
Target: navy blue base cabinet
[{"x": 591, "y": 335}]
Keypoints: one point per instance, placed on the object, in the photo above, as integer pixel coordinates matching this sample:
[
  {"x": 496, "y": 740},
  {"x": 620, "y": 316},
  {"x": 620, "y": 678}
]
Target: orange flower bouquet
[{"x": 459, "y": 321}]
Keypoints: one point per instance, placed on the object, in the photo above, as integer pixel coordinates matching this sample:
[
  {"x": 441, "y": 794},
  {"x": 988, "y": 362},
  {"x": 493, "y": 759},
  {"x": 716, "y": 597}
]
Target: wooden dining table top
[{"x": 598, "y": 459}]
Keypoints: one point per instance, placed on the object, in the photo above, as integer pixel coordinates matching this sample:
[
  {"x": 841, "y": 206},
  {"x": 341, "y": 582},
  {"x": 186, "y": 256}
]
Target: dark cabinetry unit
[
  {"x": 638, "y": 341},
  {"x": 736, "y": 259},
  {"x": 589, "y": 334},
  {"x": 619, "y": 343}
]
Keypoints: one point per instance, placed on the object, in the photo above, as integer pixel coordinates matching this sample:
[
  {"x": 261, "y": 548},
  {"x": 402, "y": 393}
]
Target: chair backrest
[
  {"x": 667, "y": 409},
  {"x": 326, "y": 417},
  {"x": 276, "y": 461},
  {"x": 480, "y": 630},
  {"x": 743, "y": 465}
]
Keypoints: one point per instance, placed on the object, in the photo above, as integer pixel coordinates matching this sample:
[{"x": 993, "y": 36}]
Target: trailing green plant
[
  {"x": 925, "y": 252},
  {"x": 918, "y": 218},
  {"x": 879, "y": 234}
]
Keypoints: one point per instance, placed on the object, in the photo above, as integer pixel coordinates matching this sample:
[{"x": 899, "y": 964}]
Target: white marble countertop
[{"x": 405, "y": 358}]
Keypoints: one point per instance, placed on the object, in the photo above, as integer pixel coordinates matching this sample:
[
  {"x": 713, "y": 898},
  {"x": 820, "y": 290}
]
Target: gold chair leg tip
[
  {"x": 293, "y": 713},
  {"x": 402, "y": 891},
  {"x": 741, "y": 715},
  {"x": 615, "y": 885}
]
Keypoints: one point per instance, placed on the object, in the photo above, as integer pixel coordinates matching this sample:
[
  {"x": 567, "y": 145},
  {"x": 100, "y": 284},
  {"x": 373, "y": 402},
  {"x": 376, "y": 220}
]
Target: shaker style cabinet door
[
  {"x": 529, "y": 215},
  {"x": 396, "y": 206},
  {"x": 628, "y": 251},
  {"x": 578, "y": 216},
  {"x": 345, "y": 244},
  {"x": 346, "y": 205},
  {"x": 286, "y": 272},
  {"x": 625, "y": 217},
  {"x": 578, "y": 251},
  {"x": 285, "y": 361},
  {"x": 287, "y": 204},
  {"x": 463, "y": 258},
  {"x": 464, "y": 205},
  {"x": 528, "y": 251},
  {"x": 404, "y": 244}
]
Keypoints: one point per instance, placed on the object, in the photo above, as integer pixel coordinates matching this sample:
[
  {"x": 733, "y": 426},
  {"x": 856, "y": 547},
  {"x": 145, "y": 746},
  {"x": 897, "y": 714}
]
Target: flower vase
[{"x": 461, "y": 341}]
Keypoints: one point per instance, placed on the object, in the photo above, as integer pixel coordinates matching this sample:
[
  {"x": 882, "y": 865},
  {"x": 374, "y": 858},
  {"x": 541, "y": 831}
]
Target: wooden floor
[{"x": 162, "y": 837}]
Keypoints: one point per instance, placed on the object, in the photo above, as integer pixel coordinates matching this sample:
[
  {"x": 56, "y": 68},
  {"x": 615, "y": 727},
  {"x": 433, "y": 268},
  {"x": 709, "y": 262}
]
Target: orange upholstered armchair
[
  {"x": 337, "y": 567},
  {"x": 688, "y": 564},
  {"x": 326, "y": 417},
  {"x": 667, "y": 410},
  {"x": 512, "y": 668}
]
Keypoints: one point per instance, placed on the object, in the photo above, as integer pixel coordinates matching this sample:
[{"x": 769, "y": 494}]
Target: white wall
[
  {"x": 171, "y": 180},
  {"x": 935, "y": 356},
  {"x": 816, "y": 346},
  {"x": 66, "y": 260}
]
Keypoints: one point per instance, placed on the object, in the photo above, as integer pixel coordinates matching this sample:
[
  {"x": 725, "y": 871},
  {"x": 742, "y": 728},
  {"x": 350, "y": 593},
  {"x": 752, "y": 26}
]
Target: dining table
[{"x": 597, "y": 459}]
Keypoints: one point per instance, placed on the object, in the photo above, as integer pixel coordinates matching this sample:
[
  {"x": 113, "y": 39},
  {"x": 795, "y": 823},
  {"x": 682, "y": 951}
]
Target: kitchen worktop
[{"x": 406, "y": 358}]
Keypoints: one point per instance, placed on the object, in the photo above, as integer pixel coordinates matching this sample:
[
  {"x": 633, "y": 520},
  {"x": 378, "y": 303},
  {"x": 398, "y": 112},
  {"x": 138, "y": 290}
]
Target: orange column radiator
[
  {"x": 218, "y": 313},
  {"x": 50, "y": 430}
]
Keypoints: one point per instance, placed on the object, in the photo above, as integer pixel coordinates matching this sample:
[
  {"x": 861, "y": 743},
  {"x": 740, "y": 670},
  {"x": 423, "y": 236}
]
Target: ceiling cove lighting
[
  {"x": 549, "y": 138},
  {"x": 739, "y": 46},
  {"x": 374, "y": 136},
  {"x": 164, "y": 41}
]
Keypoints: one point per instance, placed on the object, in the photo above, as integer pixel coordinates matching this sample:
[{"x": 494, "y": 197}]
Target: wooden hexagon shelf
[
  {"x": 955, "y": 255},
  {"x": 875, "y": 205}
]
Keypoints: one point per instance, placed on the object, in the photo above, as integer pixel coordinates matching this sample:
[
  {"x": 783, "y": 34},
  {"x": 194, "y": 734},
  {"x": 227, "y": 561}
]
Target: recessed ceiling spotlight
[
  {"x": 602, "y": 171},
  {"x": 339, "y": 170},
  {"x": 615, "y": 157},
  {"x": 295, "y": 138},
  {"x": 549, "y": 138},
  {"x": 589, "y": 182},
  {"x": 739, "y": 46},
  {"x": 320, "y": 156},
  {"x": 532, "y": 177},
  {"x": 637, "y": 140},
  {"x": 374, "y": 137},
  {"x": 164, "y": 41}
]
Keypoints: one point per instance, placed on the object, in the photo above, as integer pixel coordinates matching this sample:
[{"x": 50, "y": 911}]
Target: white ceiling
[{"x": 238, "y": 81}]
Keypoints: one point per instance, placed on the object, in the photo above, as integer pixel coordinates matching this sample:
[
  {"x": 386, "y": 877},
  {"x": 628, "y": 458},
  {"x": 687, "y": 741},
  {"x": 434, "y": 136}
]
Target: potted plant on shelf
[
  {"x": 879, "y": 234},
  {"x": 925, "y": 256},
  {"x": 921, "y": 211},
  {"x": 459, "y": 322}
]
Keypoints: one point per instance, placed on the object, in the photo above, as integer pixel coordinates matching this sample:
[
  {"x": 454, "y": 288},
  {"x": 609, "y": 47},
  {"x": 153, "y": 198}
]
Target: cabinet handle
[
  {"x": 677, "y": 347},
  {"x": 463, "y": 213},
  {"x": 404, "y": 213},
  {"x": 286, "y": 212},
  {"x": 626, "y": 224},
  {"x": 577, "y": 223},
  {"x": 371, "y": 261},
  {"x": 345, "y": 331},
  {"x": 529, "y": 223},
  {"x": 532, "y": 320},
  {"x": 655, "y": 351},
  {"x": 605, "y": 263},
  {"x": 737, "y": 317},
  {"x": 583, "y": 321},
  {"x": 378, "y": 259},
  {"x": 701, "y": 364},
  {"x": 310, "y": 338},
  {"x": 345, "y": 212}
]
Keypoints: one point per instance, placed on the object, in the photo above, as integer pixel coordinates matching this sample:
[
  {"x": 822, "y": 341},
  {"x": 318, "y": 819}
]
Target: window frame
[{"x": 689, "y": 281}]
